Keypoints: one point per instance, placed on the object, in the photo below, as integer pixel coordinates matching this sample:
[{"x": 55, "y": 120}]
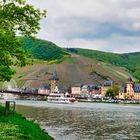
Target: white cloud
[{"x": 107, "y": 25}]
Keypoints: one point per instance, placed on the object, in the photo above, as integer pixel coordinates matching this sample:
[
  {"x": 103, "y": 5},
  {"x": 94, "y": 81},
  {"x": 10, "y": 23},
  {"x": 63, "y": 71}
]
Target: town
[{"x": 107, "y": 92}]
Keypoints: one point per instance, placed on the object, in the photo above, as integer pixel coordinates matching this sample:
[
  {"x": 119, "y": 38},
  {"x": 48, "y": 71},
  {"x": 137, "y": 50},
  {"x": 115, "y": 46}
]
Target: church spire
[
  {"x": 54, "y": 76},
  {"x": 129, "y": 80}
]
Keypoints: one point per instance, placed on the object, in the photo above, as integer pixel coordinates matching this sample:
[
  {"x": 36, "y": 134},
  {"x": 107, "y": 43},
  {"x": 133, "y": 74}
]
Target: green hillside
[
  {"x": 130, "y": 61},
  {"x": 50, "y": 52},
  {"x": 44, "y": 50},
  {"x": 82, "y": 67}
]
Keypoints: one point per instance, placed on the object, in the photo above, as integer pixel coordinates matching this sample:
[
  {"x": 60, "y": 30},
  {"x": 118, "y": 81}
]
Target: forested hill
[
  {"x": 48, "y": 51},
  {"x": 75, "y": 69},
  {"x": 45, "y": 50},
  {"x": 131, "y": 61}
]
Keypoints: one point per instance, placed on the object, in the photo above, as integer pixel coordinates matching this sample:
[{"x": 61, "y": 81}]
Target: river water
[{"x": 85, "y": 121}]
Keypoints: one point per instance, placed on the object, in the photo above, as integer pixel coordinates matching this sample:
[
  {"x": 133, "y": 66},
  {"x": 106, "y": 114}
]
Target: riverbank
[
  {"x": 110, "y": 101},
  {"x": 17, "y": 127}
]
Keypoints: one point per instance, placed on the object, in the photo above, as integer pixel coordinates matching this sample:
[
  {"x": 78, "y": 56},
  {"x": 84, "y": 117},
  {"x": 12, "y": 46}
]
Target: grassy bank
[{"x": 16, "y": 127}]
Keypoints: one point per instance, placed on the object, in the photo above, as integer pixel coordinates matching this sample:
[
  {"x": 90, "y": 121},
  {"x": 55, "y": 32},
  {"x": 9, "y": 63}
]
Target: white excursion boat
[{"x": 60, "y": 98}]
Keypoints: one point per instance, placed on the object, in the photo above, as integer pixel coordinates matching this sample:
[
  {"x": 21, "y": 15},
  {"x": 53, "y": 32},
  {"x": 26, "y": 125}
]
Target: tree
[
  {"x": 113, "y": 91},
  {"x": 16, "y": 17},
  {"x": 109, "y": 93}
]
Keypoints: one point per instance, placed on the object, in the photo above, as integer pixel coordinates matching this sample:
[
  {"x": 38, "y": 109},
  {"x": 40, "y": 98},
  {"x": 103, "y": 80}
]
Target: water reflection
[{"x": 87, "y": 123}]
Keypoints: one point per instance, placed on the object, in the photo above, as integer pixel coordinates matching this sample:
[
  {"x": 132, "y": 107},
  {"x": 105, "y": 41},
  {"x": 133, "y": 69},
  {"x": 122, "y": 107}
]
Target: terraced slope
[
  {"x": 74, "y": 70},
  {"x": 130, "y": 61}
]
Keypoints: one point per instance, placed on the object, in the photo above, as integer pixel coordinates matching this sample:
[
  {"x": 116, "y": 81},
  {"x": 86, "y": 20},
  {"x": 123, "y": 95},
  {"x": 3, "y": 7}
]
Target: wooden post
[{"x": 7, "y": 107}]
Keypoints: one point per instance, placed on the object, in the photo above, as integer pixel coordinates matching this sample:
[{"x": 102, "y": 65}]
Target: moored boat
[{"x": 60, "y": 98}]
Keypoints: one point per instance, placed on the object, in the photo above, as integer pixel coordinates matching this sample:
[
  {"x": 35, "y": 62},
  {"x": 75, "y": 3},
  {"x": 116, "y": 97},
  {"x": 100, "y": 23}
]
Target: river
[{"x": 84, "y": 121}]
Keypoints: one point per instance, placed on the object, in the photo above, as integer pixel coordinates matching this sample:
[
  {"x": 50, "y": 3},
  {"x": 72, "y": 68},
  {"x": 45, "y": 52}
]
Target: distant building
[
  {"x": 130, "y": 90},
  {"x": 94, "y": 89},
  {"x": 44, "y": 89},
  {"x": 106, "y": 85},
  {"x": 76, "y": 90},
  {"x": 137, "y": 91},
  {"x": 85, "y": 89}
]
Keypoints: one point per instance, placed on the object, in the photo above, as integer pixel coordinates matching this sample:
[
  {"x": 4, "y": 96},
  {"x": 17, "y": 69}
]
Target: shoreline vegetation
[{"x": 16, "y": 127}]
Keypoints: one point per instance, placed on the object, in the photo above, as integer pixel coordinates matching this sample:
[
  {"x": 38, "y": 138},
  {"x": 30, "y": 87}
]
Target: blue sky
[{"x": 106, "y": 25}]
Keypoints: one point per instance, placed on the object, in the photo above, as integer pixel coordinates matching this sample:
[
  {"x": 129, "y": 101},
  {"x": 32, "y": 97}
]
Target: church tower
[
  {"x": 54, "y": 81},
  {"x": 129, "y": 87}
]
